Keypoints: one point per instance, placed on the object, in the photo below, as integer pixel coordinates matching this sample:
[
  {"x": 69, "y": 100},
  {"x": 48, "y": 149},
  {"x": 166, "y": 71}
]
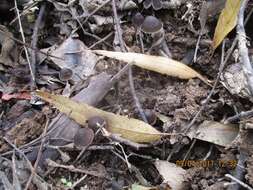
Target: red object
[{"x": 19, "y": 95}]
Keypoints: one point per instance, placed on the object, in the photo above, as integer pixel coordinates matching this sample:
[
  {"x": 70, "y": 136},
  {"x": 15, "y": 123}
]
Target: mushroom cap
[
  {"x": 151, "y": 116},
  {"x": 65, "y": 74},
  {"x": 83, "y": 137},
  {"x": 137, "y": 20},
  {"x": 96, "y": 122},
  {"x": 147, "y": 4},
  {"x": 151, "y": 25},
  {"x": 157, "y": 4}
]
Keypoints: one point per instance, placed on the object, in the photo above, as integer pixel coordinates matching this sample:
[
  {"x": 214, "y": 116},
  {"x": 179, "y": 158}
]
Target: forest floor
[{"x": 203, "y": 121}]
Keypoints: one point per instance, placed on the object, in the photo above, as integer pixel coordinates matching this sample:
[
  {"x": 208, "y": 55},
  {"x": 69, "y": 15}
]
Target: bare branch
[{"x": 243, "y": 50}]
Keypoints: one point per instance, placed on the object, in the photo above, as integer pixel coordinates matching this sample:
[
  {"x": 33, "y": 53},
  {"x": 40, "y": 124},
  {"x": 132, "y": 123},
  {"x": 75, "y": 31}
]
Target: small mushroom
[
  {"x": 151, "y": 25},
  {"x": 151, "y": 116},
  {"x": 65, "y": 74},
  {"x": 137, "y": 20},
  {"x": 96, "y": 122},
  {"x": 147, "y": 4},
  {"x": 156, "y": 4},
  {"x": 83, "y": 137}
]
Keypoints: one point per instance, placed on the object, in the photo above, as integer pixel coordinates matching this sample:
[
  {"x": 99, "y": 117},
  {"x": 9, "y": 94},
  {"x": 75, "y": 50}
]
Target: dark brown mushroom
[
  {"x": 65, "y": 74},
  {"x": 147, "y": 4},
  {"x": 137, "y": 20},
  {"x": 155, "y": 4},
  {"x": 96, "y": 122},
  {"x": 151, "y": 116},
  {"x": 83, "y": 137},
  {"x": 151, "y": 25}
]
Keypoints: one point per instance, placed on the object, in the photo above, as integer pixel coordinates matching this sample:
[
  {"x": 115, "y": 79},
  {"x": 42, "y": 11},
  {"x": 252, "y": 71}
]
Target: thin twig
[
  {"x": 71, "y": 146},
  {"x": 119, "y": 74},
  {"x": 35, "y": 40},
  {"x": 38, "y": 156},
  {"x": 79, "y": 181},
  {"x": 102, "y": 40},
  {"x": 118, "y": 28},
  {"x": 189, "y": 150},
  {"x": 24, "y": 12},
  {"x": 20, "y": 152},
  {"x": 197, "y": 47},
  {"x": 83, "y": 30},
  {"x": 16, "y": 182},
  {"x": 97, "y": 38},
  {"x": 209, "y": 152},
  {"x": 96, "y": 10},
  {"x": 240, "y": 170},
  {"x": 91, "y": 14},
  {"x": 222, "y": 64},
  {"x": 242, "y": 47},
  {"x": 23, "y": 39},
  {"x": 130, "y": 74},
  {"x": 136, "y": 100},
  {"x": 240, "y": 182},
  {"x": 239, "y": 116},
  {"x": 73, "y": 169},
  {"x": 118, "y": 139}
]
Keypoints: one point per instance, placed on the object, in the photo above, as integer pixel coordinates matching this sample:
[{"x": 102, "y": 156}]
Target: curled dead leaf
[
  {"x": 227, "y": 21},
  {"x": 158, "y": 64}
]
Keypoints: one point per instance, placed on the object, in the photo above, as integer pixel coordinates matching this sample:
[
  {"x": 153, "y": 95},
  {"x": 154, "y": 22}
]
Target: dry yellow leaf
[
  {"x": 227, "y": 21},
  {"x": 128, "y": 128},
  {"x": 158, "y": 64}
]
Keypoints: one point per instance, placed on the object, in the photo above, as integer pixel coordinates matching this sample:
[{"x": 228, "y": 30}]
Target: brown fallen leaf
[
  {"x": 129, "y": 128},
  {"x": 158, "y": 64},
  {"x": 226, "y": 22},
  {"x": 216, "y": 133}
]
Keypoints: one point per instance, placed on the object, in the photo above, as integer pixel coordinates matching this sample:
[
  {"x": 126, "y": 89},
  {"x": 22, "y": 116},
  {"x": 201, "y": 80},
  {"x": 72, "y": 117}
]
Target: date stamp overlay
[{"x": 207, "y": 163}]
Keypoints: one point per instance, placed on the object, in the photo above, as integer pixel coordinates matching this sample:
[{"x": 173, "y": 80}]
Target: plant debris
[{"x": 126, "y": 94}]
